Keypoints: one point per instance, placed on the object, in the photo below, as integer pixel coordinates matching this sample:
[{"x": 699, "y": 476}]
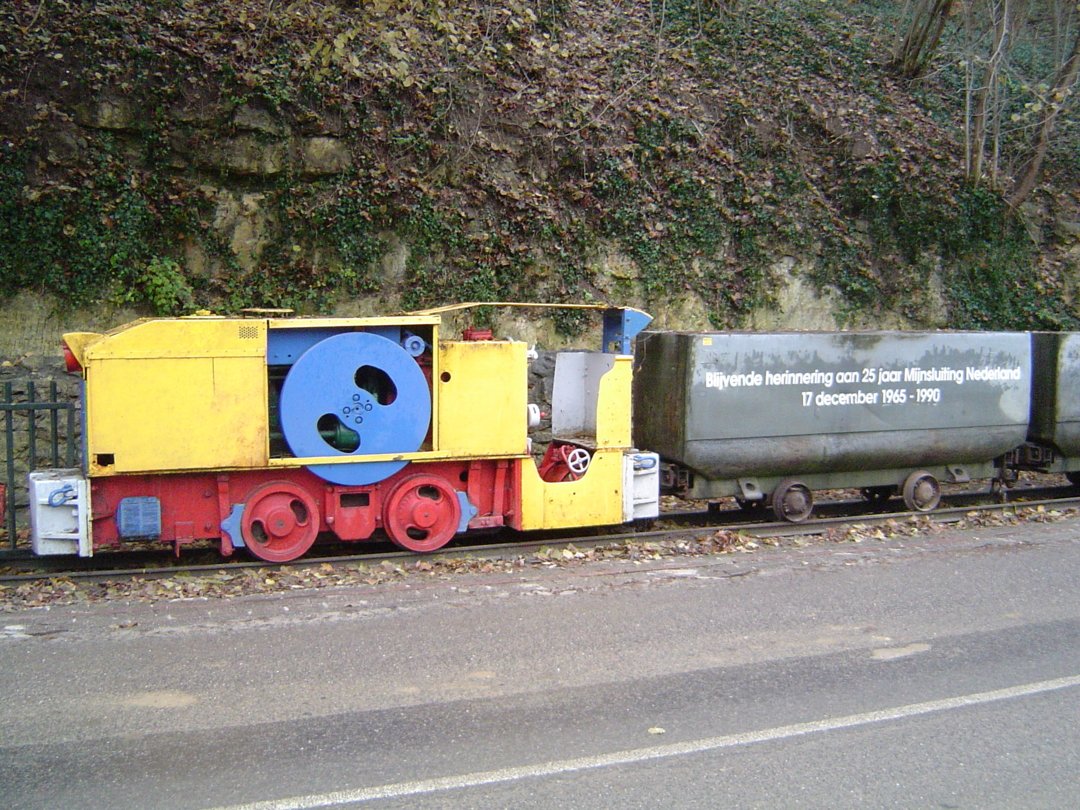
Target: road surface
[{"x": 939, "y": 671}]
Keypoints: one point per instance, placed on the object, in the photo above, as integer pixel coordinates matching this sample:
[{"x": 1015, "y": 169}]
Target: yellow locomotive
[{"x": 265, "y": 432}]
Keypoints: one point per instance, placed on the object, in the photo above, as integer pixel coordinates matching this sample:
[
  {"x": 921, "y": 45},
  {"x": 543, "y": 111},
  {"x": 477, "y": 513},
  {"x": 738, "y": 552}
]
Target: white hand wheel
[{"x": 578, "y": 460}]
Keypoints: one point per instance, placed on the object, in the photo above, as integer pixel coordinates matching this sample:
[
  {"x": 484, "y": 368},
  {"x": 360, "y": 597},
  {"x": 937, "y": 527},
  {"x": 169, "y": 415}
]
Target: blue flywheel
[{"x": 355, "y": 394}]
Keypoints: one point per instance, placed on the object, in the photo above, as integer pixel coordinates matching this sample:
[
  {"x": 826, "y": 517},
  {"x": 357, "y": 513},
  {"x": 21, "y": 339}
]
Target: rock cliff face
[
  {"x": 234, "y": 159},
  {"x": 758, "y": 169},
  {"x": 234, "y": 164}
]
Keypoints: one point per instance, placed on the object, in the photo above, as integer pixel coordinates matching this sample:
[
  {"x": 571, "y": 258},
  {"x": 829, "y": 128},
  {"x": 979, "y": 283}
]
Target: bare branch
[{"x": 1064, "y": 82}]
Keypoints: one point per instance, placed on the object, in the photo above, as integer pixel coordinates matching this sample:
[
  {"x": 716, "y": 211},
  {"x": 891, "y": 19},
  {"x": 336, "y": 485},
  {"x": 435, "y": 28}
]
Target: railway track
[{"x": 832, "y": 516}]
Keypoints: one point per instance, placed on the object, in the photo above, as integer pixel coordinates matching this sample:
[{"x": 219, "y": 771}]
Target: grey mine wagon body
[
  {"x": 769, "y": 418},
  {"x": 1054, "y": 434}
]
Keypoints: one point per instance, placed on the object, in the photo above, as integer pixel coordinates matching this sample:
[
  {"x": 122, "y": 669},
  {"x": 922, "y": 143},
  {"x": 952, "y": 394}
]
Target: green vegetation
[
  {"x": 513, "y": 149},
  {"x": 986, "y": 254},
  {"x": 326, "y": 247},
  {"x": 111, "y": 237}
]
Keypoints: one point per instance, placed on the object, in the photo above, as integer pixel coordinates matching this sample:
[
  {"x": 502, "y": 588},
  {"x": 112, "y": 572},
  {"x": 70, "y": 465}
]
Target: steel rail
[{"x": 693, "y": 523}]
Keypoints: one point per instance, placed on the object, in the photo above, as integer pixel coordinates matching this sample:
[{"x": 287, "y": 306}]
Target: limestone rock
[
  {"x": 325, "y": 155},
  {"x": 1067, "y": 229},
  {"x": 245, "y": 224},
  {"x": 246, "y": 155},
  {"x": 64, "y": 148},
  {"x": 395, "y": 259},
  {"x": 110, "y": 113},
  {"x": 254, "y": 119}
]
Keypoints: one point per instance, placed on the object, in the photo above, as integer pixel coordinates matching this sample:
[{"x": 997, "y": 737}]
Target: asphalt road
[{"x": 933, "y": 672}]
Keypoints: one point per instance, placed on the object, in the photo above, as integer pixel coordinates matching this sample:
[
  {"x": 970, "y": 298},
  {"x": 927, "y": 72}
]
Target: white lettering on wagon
[
  {"x": 719, "y": 380},
  {"x": 912, "y": 385}
]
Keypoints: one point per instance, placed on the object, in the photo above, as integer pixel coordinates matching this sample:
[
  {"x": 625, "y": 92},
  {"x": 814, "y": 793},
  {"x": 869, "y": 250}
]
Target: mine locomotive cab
[{"x": 265, "y": 432}]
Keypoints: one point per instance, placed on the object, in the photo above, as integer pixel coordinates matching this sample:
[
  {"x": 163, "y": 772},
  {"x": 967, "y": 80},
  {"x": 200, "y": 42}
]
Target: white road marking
[
  {"x": 403, "y": 789},
  {"x": 892, "y": 653}
]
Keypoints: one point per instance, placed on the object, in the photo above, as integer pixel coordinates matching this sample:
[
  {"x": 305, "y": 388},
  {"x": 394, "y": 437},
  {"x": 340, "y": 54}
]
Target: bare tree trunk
[
  {"x": 997, "y": 103},
  {"x": 1064, "y": 81},
  {"x": 980, "y": 97},
  {"x": 913, "y": 55}
]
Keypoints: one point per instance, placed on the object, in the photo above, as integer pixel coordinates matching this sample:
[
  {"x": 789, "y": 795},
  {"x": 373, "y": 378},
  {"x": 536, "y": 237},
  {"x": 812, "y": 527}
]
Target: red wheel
[
  {"x": 280, "y": 522},
  {"x": 422, "y": 513}
]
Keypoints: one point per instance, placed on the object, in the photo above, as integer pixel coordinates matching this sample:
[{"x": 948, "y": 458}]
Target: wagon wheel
[
  {"x": 878, "y": 494},
  {"x": 422, "y": 513},
  {"x": 280, "y": 522},
  {"x": 792, "y": 501},
  {"x": 922, "y": 493}
]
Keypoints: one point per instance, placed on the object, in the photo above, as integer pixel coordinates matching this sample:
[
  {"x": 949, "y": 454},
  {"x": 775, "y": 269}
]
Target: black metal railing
[{"x": 37, "y": 433}]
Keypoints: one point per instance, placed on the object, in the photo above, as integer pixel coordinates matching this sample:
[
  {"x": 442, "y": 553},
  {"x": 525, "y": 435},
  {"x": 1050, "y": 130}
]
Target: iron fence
[{"x": 37, "y": 433}]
